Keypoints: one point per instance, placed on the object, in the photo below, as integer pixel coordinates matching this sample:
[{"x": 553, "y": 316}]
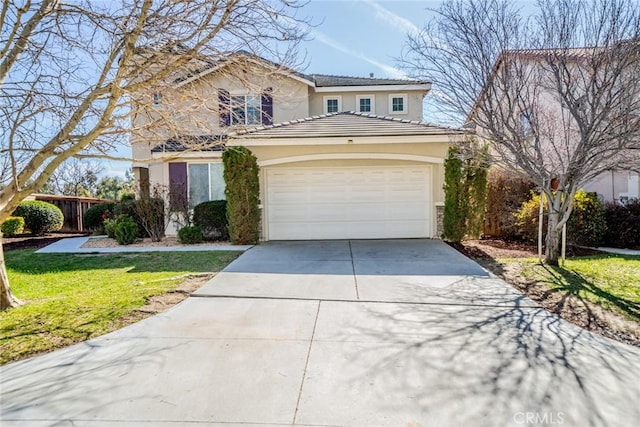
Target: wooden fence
[{"x": 72, "y": 207}]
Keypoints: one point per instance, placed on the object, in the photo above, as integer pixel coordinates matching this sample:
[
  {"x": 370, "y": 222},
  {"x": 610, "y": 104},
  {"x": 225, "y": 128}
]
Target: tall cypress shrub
[
  {"x": 465, "y": 187},
  {"x": 243, "y": 195},
  {"x": 455, "y": 202}
]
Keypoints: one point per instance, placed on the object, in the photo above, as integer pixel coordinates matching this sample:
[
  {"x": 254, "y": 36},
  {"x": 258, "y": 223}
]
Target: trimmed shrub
[
  {"x": 211, "y": 217},
  {"x": 505, "y": 196},
  {"x": 12, "y": 226},
  {"x": 587, "y": 224},
  {"x": 94, "y": 216},
  {"x": 126, "y": 231},
  {"x": 40, "y": 217},
  {"x": 623, "y": 224},
  {"x": 243, "y": 195},
  {"x": 110, "y": 227},
  {"x": 190, "y": 234},
  {"x": 526, "y": 219}
]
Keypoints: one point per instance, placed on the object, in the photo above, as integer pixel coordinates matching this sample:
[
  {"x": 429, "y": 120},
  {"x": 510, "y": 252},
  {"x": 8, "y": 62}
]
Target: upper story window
[
  {"x": 157, "y": 98},
  {"x": 332, "y": 104},
  {"x": 245, "y": 110},
  {"x": 525, "y": 123},
  {"x": 398, "y": 104},
  {"x": 365, "y": 104}
]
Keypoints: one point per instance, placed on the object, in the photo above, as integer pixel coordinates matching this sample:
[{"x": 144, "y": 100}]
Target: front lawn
[
  {"x": 600, "y": 293},
  {"x": 611, "y": 281},
  {"x": 71, "y": 298}
]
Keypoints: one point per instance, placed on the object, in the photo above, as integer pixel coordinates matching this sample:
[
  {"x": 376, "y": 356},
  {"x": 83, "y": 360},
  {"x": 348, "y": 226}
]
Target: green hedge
[
  {"x": 586, "y": 225},
  {"x": 190, "y": 234},
  {"x": 93, "y": 217},
  {"x": 211, "y": 217},
  {"x": 623, "y": 224},
  {"x": 12, "y": 226},
  {"x": 40, "y": 217},
  {"x": 126, "y": 230}
]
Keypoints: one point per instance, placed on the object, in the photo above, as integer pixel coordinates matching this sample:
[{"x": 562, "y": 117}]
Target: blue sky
[
  {"x": 358, "y": 37},
  {"x": 350, "y": 38}
]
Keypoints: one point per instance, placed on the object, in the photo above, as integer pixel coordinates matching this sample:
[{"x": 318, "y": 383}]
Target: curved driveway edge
[{"x": 341, "y": 333}]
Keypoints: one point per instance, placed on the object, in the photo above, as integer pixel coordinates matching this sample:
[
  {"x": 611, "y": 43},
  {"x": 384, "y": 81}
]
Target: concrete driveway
[{"x": 340, "y": 333}]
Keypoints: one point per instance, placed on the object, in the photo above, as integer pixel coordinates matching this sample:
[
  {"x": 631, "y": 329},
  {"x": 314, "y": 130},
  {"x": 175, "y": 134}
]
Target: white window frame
[
  {"x": 404, "y": 103},
  {"x": 208, "y": 163},
  {"x": 246, "y": 105},
  {"x": 325, "y": 100},
  {"x": 373, "y": 103}
]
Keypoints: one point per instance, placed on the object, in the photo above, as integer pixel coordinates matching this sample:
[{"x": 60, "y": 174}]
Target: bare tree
[
  {"x": 68, "y": 71},
  {"x": 75, "y": 177},
  {"x": 556, "y": 93}
]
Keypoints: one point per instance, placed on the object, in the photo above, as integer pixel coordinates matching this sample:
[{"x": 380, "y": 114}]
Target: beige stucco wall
[
  {"x": 613, "y": 185},
  {"x": 192, "y": 109},
  {"x": 381, "y": 102}
]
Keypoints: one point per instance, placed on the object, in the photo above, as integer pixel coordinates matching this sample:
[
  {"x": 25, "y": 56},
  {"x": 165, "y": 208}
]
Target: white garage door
[{"x": 348, "y": 202}]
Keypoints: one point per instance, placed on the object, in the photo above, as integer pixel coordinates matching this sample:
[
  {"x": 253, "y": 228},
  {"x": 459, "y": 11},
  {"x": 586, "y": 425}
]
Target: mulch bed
[
  {"x": 34, "y": 242},
  {"x": 571, "y": 308}
]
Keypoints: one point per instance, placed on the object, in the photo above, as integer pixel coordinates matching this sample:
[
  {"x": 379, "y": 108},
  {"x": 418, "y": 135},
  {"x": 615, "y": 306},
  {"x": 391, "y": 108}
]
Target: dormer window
[
  {"x": 398, "y": 104},
  {"x": 332, "y": 104},
  {"x": 365, "y": 104}
]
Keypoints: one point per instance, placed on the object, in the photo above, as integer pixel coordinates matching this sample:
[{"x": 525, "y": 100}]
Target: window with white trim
[
  {"x": 398, "y": 104},
  {"x": 332, "y": 104},
  {"x": 245, "y": 110},
  {"x": 206, "y": 182},
  {"x": 526, "y": 127},
  {"x": 365, "y": 104}
]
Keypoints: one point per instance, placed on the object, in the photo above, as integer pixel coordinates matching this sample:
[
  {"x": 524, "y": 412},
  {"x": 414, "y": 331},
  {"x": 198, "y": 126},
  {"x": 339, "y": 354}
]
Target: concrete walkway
[
  {"x": 619, "y": 251},
  {"x": 340, "y": 333},
  {"x": 73, "y": 245}
]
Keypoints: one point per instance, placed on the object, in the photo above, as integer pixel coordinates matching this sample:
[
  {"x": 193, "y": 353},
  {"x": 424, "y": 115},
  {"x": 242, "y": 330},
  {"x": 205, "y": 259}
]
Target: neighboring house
[
  {"x": 340, "y": 157},
  {"x": 524, "y": 98}
]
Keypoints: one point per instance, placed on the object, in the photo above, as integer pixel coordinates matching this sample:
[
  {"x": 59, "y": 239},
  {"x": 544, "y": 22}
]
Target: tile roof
[
  {"x": 349, "y": 124},
  {"x": 191, "y": 142},
  {"x": 324, "y": 80}
]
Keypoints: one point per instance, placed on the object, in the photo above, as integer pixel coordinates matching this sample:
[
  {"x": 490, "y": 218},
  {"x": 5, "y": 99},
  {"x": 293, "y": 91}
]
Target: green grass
[
  {"x": 612, "y": 281},
  {"x": 71, "y": 298}
]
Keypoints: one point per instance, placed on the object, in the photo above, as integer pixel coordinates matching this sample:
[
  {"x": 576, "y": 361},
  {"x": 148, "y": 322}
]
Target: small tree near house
[{"x": 554, "y": 89}]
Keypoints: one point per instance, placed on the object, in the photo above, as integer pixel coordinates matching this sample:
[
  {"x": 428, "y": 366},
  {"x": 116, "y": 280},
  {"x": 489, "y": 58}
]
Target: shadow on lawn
[{"x": 573, "y": 284}]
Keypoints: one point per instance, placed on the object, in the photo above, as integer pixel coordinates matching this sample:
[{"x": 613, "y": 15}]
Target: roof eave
[{"x": 425, "y": 87}]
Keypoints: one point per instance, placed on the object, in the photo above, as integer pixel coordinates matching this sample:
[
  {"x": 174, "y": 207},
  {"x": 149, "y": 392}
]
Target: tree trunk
[
  {"x": 552, "y": 251},
  {"x": 7, "y": 299}
]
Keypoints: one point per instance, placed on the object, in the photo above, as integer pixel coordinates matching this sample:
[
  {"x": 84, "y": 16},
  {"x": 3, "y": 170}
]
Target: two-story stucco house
[{"x": 340, "y": 157}]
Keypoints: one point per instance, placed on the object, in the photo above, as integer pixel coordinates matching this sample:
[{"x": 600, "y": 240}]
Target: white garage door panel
[{"x": 348, "y": 202}]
